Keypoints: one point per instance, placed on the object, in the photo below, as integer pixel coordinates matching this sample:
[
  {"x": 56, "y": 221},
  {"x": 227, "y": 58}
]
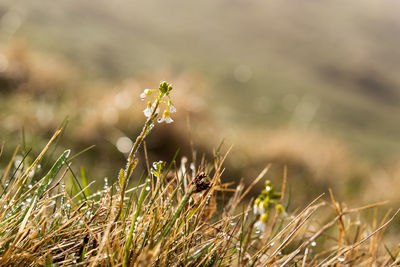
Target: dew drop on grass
[
  {"x": 192, "y": 167},
  {"x": 341, "y": 259},
  {"x": 148, "y": 188},
  {"x": 18, "y": 161},
  {"x": 313, "y": 244}
]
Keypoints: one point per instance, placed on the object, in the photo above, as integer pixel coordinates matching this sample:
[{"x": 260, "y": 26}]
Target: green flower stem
[{"x": 130, "y": 165}]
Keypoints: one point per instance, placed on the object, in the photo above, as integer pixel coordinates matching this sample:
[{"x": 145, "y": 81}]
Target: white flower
[
  {"x": 258, "y": 209},
  {"x": 260, "y": 226},
  {"x": 172, "y": 109},
  {"x": 147, "y": 112},
  {"x": 255, "y": 209},
  {"x": 169, "y": 120}
]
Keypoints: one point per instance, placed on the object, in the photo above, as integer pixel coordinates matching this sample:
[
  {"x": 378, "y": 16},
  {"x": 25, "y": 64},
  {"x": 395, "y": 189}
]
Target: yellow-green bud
[
  {"x": 264, "y": 218},
  {"x": 265, "y": 203},
  {"x": 165, "y": 87},
  {"x": 279, "y": 208}
]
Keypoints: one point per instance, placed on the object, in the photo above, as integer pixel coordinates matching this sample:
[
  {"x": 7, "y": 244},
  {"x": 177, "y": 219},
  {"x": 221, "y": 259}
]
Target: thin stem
[{"x": 131, "y": 161}]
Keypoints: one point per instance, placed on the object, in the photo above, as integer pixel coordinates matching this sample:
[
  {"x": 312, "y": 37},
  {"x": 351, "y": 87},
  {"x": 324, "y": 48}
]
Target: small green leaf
[{"x": 121, "y": 178}]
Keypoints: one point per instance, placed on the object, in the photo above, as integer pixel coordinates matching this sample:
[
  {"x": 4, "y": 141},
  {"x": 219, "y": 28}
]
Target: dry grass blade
[{"x": 175, "y": 216}]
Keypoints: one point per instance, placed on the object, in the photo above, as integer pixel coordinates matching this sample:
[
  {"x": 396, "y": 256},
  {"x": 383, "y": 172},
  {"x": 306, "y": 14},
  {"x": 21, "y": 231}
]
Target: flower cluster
[
  {"x": 158, "y": 168},
  {"x": 268, "y": 197},
  {"x": 161, "y": 97}
]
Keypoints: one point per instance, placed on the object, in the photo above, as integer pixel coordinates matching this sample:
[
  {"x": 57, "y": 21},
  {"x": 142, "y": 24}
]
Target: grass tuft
[{"x": 176, "y": 217}]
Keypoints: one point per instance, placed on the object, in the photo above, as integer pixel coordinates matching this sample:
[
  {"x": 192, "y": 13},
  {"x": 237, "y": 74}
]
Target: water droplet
[
  {"x": 313, "y": 244},
  {"x": 148, "y": 188},
  {"x": 18, "y": 161},
  {"x": 124, "y": 144},
  {"x": 341, "y": 259}
]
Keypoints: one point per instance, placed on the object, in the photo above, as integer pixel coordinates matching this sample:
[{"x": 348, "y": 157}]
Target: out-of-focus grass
[{"x": 258, "y": 73}]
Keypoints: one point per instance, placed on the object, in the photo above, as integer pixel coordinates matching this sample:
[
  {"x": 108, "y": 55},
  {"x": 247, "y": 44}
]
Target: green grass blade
[{"x": 133, "y": 225}]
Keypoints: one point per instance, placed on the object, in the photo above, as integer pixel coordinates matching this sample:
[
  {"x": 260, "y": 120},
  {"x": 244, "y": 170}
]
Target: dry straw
[{"x": 175, "y": 216}]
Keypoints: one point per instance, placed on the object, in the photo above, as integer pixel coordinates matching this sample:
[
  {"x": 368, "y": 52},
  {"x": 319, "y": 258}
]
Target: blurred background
[{"x": 310, "y": 85}]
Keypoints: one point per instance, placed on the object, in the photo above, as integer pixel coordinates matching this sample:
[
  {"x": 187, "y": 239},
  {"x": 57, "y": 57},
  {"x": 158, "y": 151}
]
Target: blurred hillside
[
  {"x": 330, "y": 66},
  {"x": 259, "y": 73}
]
